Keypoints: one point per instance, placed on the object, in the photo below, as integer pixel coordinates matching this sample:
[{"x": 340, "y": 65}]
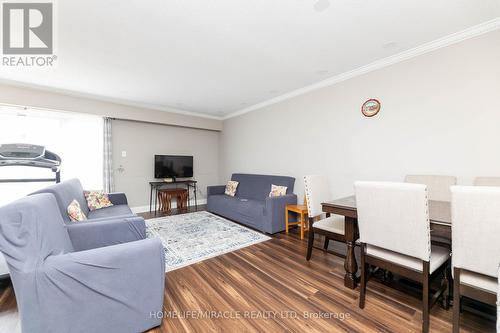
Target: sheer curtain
[
  {"x": 108, "y": 157},
  {"x": 76, "y": 138}
]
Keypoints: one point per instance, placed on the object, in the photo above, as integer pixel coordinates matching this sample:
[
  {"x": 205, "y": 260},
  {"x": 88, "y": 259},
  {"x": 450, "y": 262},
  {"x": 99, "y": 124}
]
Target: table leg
[
  {"x": 302, "y": 222},
  {"x": 155, "y": 198},
  {"x": 350, "y": 264},
  {"x": 150, "y": 197},
  {"x": 195, "y": 200}
]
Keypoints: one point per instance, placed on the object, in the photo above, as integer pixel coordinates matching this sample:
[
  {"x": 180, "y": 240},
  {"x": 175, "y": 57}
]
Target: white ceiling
[{"x": 218, "y": 57}]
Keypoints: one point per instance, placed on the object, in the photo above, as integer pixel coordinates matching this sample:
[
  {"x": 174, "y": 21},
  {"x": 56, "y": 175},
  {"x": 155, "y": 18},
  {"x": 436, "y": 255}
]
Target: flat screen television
[{"x": 173, "y": 166}]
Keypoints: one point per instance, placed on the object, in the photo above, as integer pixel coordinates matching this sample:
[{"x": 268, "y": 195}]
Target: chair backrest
[
  {"x": 65, "y": 192},
  {"x": 317, "y": 191},
  {"x": 394, "y": 216},
  {"x": 257, "y": 187},
  {"x": 31, "y": 229},
  {"x": 487, "y": 181},
  {"x": 438, "y": 187},
  {"x": 475, "y": 228}
]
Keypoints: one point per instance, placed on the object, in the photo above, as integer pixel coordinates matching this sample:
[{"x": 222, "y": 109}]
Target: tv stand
[{"x": 156, "y": 185}]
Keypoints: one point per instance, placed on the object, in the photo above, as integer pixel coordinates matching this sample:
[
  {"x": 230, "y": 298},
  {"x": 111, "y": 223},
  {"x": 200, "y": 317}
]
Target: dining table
[{"x": 440, "y": 224}]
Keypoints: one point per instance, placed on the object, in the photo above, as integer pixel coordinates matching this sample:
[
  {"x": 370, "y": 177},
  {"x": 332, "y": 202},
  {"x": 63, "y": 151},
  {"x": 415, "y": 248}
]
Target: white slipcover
[
  {"x": 317, "y": 191},
  {"x": 438, "y": 187},
  {"x": 487, "y": 181},
  {"x": 394, "y": 216},
  {"x": 475, "y": 216}
]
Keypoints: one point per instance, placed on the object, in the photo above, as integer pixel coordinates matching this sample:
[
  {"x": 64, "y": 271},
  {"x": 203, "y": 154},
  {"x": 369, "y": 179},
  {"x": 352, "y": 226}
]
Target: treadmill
[{"x": 20, "y": 154}]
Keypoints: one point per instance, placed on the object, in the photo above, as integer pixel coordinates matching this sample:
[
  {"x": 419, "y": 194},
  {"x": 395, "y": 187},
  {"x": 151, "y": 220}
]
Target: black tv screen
[{"x": 171, "y": 166}]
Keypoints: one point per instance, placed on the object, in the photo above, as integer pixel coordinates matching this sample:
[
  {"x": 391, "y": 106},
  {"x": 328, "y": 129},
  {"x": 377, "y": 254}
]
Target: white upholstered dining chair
[
  {"x": 487, "y": 181},
  {"x": 394, "y": 232},
  {"x": 498, "y": 303},
  {"x": 317, "y": 191},
  {"x": 438, "y": 187},
  {"x": 475, "y": 230}
]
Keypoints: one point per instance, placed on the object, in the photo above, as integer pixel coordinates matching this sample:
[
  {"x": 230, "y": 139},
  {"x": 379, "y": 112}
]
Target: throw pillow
[
  {"x": 75, "y": 212},
  {"x": 97, "y": 200},
  {"x": 231, "y": 188},
  {"x": 277, "y": 191}
]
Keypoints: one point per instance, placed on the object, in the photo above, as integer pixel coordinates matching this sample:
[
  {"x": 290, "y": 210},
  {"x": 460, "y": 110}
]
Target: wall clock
[{"x": 370, "y": 108}]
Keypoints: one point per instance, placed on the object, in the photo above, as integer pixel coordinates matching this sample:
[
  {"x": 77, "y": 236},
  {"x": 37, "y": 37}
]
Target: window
[{"x": 76, "y": 138}]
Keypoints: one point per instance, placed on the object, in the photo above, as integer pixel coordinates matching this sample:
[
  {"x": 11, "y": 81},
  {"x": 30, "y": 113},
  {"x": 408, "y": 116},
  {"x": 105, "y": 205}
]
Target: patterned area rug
[{"x": 194, "y": 237}]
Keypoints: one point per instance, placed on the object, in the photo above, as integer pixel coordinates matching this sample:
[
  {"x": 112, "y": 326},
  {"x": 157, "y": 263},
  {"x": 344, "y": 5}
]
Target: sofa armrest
[
  {"x": 275, "y": 212},
  {"x": 118, "y": 198},
  {"x": 111, "y": 289},
  {"x": 214, "y": 190},
  {"x": 93, "y": 234}
]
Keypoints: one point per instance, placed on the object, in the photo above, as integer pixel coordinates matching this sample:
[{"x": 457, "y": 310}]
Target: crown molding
[
  {"x": 454, "y": 38},
  {"x": 99, "y": 98}
]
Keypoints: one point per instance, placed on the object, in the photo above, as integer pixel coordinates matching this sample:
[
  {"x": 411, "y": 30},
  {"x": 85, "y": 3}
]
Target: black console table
[{"x": 189, "y": 184}]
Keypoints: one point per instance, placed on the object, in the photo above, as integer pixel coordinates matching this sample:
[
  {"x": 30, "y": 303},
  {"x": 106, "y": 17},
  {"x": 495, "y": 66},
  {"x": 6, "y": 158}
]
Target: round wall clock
[{"x": 370, "y": 108}]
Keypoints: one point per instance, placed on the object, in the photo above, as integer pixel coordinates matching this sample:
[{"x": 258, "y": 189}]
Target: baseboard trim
[{"x": 143, "y": 209}]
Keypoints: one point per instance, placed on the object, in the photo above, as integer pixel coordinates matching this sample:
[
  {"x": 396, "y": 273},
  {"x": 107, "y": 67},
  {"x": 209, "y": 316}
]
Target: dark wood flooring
[{"x": 270, "y": 287}]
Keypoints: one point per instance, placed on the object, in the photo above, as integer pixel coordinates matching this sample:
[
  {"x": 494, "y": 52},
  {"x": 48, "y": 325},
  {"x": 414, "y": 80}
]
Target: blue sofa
[
  {"x": 115, "y": 224},
  {"x": 61, "y": 286},
  {"x": 252, "y": 205}
]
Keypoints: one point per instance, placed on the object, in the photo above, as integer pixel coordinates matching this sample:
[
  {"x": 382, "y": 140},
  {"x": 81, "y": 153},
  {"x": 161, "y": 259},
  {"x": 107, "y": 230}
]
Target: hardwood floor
[
  {"x": 270, "y": 287},
  {"x": 274, "y": 276}
]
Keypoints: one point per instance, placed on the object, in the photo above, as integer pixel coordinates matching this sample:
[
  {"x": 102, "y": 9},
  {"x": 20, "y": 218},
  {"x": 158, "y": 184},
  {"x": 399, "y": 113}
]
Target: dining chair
[
  {"x": 498, "y": 304},
  {"x": 487, "y": 181},
  {"x": 438, "y": 187},
  {"x": 317, "y": 191},
  {"x": 394, "y": 232},
  {"x": 475, "y": 232}
]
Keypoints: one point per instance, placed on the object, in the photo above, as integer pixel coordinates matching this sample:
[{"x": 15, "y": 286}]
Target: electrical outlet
[{"x": 124, "y": 153}]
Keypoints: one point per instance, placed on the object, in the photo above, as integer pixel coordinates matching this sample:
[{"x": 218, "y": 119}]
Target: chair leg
[
  {"x": 456, "y": 300},
  {"x": 362, "y": 287},
  {"x": 286, "y": 221},
  {"x": 310, "y": 241},
  {"x": 446, "y": 293},
  {"x": 425, "y": 298},
  {"x": 327, "y": 242}
]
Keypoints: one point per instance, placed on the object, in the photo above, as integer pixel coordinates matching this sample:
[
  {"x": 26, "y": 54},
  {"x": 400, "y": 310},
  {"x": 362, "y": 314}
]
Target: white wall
[
  {"x": 440, "y": 115},
  {"x": 142, "y": 141},
  {"x": 45, "y": 99}
]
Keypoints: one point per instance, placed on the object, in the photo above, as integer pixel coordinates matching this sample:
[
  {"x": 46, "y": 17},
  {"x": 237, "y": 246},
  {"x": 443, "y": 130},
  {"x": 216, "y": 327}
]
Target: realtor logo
[
  {"x": 28, "y": 34},
  {"x": 27, "y": 28}
]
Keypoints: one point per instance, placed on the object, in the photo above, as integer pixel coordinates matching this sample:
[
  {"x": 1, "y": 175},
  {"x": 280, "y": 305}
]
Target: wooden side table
[
  {"x": 301, "y": 211},
  {"x": 165, "y": 197}
]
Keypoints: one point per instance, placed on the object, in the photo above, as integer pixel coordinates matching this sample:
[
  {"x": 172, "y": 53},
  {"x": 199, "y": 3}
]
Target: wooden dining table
[{"x": 439, "y": 215}]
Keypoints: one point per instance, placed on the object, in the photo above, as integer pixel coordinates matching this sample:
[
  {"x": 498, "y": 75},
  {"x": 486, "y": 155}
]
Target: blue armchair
[{"x": 67, "y": 286}]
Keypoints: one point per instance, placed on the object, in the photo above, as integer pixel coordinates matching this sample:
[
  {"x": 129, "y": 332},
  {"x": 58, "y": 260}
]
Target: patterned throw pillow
[
  {"x": 97, "y": 200},
  {"x": 277, "y": 191},
  {"x": 75, "y": 212},
  {"x": 231, "y": 188}
]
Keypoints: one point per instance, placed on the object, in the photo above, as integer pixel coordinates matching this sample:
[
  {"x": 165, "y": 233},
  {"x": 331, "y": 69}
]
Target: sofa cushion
[
  {"x": 75, "y": 212},
  {"x": 231, "y": 188},
  {"x": 277, "y": 191},
  {"x": 258, "y": 187},
  {"x": 97, "y": 200},
  {"x": 112, "y": 211}
]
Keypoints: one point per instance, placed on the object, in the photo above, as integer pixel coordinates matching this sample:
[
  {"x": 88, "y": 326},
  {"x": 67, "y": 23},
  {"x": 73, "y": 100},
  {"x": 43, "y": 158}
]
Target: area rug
[{"x": 194, "y": 237}]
